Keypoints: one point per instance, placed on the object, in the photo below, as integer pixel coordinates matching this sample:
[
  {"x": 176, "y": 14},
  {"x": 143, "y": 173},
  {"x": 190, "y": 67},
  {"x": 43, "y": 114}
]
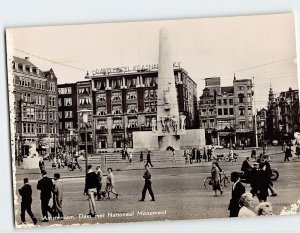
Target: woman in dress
[{"x": 215, "y": 178}]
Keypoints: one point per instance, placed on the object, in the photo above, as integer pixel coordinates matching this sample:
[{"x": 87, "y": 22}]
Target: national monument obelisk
[{"x": 169, "y": 125}]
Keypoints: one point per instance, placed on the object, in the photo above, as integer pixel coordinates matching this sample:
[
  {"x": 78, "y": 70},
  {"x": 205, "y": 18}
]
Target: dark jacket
[
  {"x": 91, "y": 181},
  {"x": 246, "y": 167},
  {"x": 26, "y": 192},
  {"x": 46, "y": 186},
  {"x": 147, "y": 175},
  {"x": 236, "y": 194},
  {"x": 148, "y": 157}
]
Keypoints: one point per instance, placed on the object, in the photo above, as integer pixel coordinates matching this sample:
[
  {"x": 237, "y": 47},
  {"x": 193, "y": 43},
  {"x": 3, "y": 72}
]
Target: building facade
[
  {"x": 226, "y": 112},
  {"x": 68, "y": 117},
  {"x": 127, "y": 102},
  {"x": 36, "y": 108},
  {"x": 283, "y": 115}
]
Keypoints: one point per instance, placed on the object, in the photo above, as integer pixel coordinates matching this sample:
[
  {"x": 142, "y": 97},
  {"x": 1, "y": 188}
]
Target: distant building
[
  {"x": 36, "y": 108},
  {"x": 226, "y": 112},
  {"x": 67, "y": 113},
  {"x": 283, "y": 115}
]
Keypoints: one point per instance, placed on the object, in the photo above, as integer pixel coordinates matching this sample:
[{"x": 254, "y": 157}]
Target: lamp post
[{"x": 85, "y": 114}]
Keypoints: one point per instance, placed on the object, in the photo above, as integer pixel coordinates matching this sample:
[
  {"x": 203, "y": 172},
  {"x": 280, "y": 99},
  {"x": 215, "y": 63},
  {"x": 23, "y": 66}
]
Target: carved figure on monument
[
  {"x": 174, "y": 124},
  {"x": 32, "y": 151},
  {"x": 153, "y": 123},
  {"x": 167, "y": 124},
  {"x": 182, "y": 121},
  {"x": 162, "y": 120},
  {"x": 167, "y": 96}
]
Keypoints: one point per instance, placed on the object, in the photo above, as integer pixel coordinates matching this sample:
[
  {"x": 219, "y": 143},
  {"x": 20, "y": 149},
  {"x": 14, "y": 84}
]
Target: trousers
[
  {"x": 26, "y": 206},
  {"x": 147, "y": 186}
]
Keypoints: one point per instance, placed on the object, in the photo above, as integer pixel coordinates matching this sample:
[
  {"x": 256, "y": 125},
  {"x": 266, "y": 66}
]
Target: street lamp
[{"x": 85, "y": 114}]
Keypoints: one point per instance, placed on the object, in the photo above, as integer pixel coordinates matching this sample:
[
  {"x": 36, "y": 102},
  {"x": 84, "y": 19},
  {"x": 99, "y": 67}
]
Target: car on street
[{"x": 275, "y": 142}]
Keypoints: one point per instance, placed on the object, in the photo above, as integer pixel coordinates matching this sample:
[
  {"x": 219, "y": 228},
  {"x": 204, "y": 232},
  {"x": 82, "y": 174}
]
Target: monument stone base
[
  {"x": 31, "y": 162},
  {"x": 148, "y": 140}
]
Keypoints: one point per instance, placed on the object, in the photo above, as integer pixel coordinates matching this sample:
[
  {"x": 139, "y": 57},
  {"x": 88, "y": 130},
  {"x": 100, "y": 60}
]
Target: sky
[{"x": 261, "y": 46}]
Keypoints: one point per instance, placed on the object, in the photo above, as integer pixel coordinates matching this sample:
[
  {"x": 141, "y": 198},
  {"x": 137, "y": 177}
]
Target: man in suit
[
  {"x": 148, "y": 184},
  {"x": 237, "y": 190},
  {"x": 149, "y": 159},
  {"x": 45, "y": 185},
  {"x": 246, "y": 168},
  {"x": 26, "y": 194}
]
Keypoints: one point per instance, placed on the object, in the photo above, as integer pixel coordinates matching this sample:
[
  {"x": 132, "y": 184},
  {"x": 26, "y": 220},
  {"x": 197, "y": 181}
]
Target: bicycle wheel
[
  {"x": 226, "y": 182},
  {"x": 206, "y": 182}
]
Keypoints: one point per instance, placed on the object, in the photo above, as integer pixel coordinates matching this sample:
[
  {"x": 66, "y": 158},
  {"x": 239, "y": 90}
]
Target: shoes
[
  {"x": 152, "y": 199},
  {"x": 117, "y": 195},
  {"x": 142, "y": 200},
  {"x": 34, "y": 221},
  {"x": 93, "y": 215},
  {"x": 22, "y": 223},
  {"x": 45, "y": 220},
  {"x": 274, "y": 195}
]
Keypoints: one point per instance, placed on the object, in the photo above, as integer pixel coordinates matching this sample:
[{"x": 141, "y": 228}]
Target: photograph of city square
[{"x": 154, "y": 121}]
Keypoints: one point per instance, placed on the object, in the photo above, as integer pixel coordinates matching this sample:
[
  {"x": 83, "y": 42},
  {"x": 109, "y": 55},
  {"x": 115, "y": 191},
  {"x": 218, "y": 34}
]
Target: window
[
  {"x": 59, "y": 102},
  {"x": 83, "y": 90},
  {"x": 117, "y": 124},
  {"x": 52, "y": 87},
  {"x": 28, "y": 128},
  {"x": 101, "y": 111},
  {"x": 52, "y": 101},
  {"x": 148, "y": 122},
  {"x": 101, "y": 97},
  {"x": 68, "y": 101},
  {"x": 211, "y": 111},
  {"x": 231, "y": 111},
  {"x": 225, "y": 101},
  {"x": 132, "y": 108},
  {"x": 69, "y": 125},
  {"x": 220, "y": 111},
  {"x": 116, "y": 84},
  {"x": 230, "y": 101},
  {"x": 204, "y": 123},
  {"x": 101, "y": 124},
  {"x": 68, "y": 114},
  {"x": 249, "y": 110},
  {"x": 51, "y": 116},
  {"x": 100, "y": 85},
  {"x": 211, "y": 123},
  {"x": 20, "y": 66},
  {"x": 85, "y": 101},
  {"x": 132, "y": 123},
  {"x": 241, "y": 98},
  {"x": 225, "y": 111},
  {"x": 241, "y": 88},
  {"x": 59, "y": 114},
  {"x": 242, "y": 111},
  {"x": 116, "y": 110},
  {"x": 131, "y": 82},
  {"x": 34, "y": 70},
  {"x": 116, "y": 96},
  {"x": 219, "y": 102},
  {"x": 150, "y": 107},
  {"x": 242, "y": 124},
  {"x": 131, "y": 95}
]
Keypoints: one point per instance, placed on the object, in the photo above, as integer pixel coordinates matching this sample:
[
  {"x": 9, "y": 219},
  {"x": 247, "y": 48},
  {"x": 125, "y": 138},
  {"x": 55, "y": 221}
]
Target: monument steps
[{"x": 156, "y": 156}]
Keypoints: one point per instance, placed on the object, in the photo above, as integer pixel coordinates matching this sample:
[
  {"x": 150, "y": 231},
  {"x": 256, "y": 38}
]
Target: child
[{"x": 26, "y": 193}]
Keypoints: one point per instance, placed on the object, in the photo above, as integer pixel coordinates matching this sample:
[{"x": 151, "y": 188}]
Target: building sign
[
  {"x": 242, "y": 130},
  {"x": 124, "y": 69}
]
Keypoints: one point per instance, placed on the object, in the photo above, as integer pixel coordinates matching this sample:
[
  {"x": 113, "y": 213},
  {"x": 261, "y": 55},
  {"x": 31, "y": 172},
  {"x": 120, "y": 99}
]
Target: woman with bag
[{"x": 215, "y": 177}]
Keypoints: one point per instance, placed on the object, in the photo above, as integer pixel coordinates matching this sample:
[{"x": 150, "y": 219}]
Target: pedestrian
[
  {"x": 42, "y": 165},
  {"x": 26, "y": 194},
  {"x": 126, "y": 153},
  {"x": 262, "y": 185},
  {"x": 45, "y": 185},
  {"x": 173, "y": 156},
  {"x": 265, "y": 209},
  {"x": 130, "y": 158},
  {"x": 198, "y": 158},
  {"x": 141, "y": 157},
  {"x": 237, "y": 190},
  {"x": 90, "y": 189},
  {"x": 57, "y": 197},
  {"x": 266, "y": 166},
  {"x": 123, "y": 154},
  {"x": 110, "y": 183},
  {"x": 253, "y": 154},
  {"x": 148, "y": 184},
  {"x": 208, "y": 154},
  {"x": 190, "y": 155},
  {"x": 246, "y": 168},
  {"x": 149, "y": 159},
  {"x": 215, "y": 178},
  {"x": 204, "y": 154},
  {"x": 99, "y": 174},
  {"x": 247, "y": 203},
  {"x": 54, "y": 162},
  {"x": 59, "y": 163},
  {"x": 287, "y": 153}
]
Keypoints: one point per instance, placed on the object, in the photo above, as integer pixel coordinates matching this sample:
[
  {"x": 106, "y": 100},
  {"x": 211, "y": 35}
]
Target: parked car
[{"x": 275, "y": 142}]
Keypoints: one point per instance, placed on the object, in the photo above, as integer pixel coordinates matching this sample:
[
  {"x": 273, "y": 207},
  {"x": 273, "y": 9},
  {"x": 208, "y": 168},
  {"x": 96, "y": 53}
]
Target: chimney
[{"x": 27, "y": 58}]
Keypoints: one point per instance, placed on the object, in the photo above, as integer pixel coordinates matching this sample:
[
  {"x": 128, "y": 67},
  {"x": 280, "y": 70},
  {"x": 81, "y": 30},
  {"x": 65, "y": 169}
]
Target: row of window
[
  {"x": 29, "y": 69},
  {"x": 221, "y": 125},
  {"x": 64, "y": 90},
  {"x": 225, "y": 101},
  {"x": 37, "y": 84},
  {"x": 33, "y": 128},
  {"x": 39, "y": 99}
]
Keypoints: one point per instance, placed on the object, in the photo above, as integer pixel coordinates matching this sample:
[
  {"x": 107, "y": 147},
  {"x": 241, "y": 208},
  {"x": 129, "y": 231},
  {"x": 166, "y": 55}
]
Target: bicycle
[{"x": 224, "y": 181}]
